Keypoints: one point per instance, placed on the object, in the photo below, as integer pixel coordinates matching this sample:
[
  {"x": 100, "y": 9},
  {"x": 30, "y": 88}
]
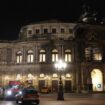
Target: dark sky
[{"x": 16, "y": 13}]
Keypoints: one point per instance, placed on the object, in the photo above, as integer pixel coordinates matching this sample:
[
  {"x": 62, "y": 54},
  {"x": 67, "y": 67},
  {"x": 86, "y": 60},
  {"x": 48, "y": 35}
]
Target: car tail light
[
  {"x": 37, "y": 95},
  {"x": 27, "y": 95}
]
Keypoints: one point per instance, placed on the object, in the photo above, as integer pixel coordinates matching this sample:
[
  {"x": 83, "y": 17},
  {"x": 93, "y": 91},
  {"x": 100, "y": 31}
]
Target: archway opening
[{"x": 97, "y": 80}]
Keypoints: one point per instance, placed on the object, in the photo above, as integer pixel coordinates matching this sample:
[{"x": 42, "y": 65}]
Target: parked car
[
  {"x": 27, "y": 95},
  {"x": 45, "y": 90},
  {"x": 10, "y": 92}
]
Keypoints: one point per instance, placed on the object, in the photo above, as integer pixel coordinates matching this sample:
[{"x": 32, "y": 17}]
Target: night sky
[{"x": 16, "y": 13}]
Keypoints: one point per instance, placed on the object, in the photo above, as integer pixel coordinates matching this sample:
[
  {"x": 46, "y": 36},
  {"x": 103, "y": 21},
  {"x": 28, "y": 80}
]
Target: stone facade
[{"x": 40, "y": 45}]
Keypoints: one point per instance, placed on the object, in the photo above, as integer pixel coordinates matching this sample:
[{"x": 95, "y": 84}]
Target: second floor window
[
  {"x": 45, "y": 31},
  {"x": 42, "y": 56},
  {"x": 29, "y": 32},
  {"x": 37, "y": 31},
  {"x": 19, "y": 57},
  {"x": 97, "y": 54},
  {"x": 30, "y": 57},
  {"x": 54, "y": 30},
  {"x": 93, "y": 54},
  {"x": 88, "y": 53},
  {"x": 54, "y": 55},
  {"x": 67, "y": 55},
  {"x": 62, "y": 30}
]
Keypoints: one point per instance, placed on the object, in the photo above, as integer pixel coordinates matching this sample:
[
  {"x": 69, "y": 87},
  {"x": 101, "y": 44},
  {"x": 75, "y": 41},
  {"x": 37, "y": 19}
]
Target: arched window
[
  {"x": 55, "y": 75},
  {"x": 42, "y": 56},
  {"x": 18, "y": 77},
  {"x": 30, "y": 56},
  {"x": 19, "y": 57},
  {"x": 54, "y": 55},
  {"x": 67, "y": 55},
  {"x": 30, "y": 77}
]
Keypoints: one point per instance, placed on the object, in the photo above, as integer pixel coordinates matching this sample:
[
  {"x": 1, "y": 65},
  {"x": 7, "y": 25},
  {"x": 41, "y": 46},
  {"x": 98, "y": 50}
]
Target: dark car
[{"x": 29, "y": 95}]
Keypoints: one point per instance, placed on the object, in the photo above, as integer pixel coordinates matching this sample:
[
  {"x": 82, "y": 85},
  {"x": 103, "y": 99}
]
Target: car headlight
[
  {"x": 20, "y": 92},
  {"x": 9, "y": 92}
]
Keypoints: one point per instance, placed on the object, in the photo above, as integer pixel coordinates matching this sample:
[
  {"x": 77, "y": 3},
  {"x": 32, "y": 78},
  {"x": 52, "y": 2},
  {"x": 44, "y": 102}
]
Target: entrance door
[
  {"x": 97, "y": 80},
  {"x": 68, "y": 86},
  {"x": 41, "y": 84},
  {"x": 54, "y": 85}
]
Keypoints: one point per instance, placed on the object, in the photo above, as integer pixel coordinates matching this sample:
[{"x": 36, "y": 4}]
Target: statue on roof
[{"x": 88, "y": 14}]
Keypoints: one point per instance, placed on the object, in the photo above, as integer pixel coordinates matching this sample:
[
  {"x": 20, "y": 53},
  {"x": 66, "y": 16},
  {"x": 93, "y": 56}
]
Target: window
[
  {"x": 37, "y": 31},
  {"x": 93, "y": 54},
  {"x": 19, "y": 57},
  {"x": 18, "y": 77},
  {"x": 29, "y": 32},
  {"x": 88, "y": 53},
  {"x": 42, "y": 56},
  {"x": 62, "y": 30},
  {"x": 97, "y": 54},
  {"x": 41, "y": 75},
  {"x": 68, "y": 75},
  {"x": 45, "y": 31},
  {"x": 67, "y": 55},
  {"x": 30, "y": 57},
  {"x": 55, "y": 75},
  {"x": 54, "y": 30},
  {"x": 30, "y": 76},
  {"x": 54, "y": 55}
]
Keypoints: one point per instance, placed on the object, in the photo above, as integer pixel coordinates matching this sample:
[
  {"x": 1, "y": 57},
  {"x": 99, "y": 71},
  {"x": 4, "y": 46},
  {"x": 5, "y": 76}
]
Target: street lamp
[{"x": 60, "y": 66}]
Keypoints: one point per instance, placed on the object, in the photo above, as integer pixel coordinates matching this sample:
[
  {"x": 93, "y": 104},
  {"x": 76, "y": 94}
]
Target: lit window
[
  {"x": 30, "y": 76},
  {"x": 19, "y": 57},
  {"x": 18, "y": 77},
  {"x": 30, "y": 57},
  {"x": 55, "y": 75},
  {"x": 97, "y": 54},
  {"x": 54, "y": 55},
  {"x": 93, "y": 54},
  {"x": 42, "y": 56},
  {"x": 6, "y": 78},
  {"x": 88, "y": 54},
  {"x": 67, "y": 55},
  {"x": 41, "y": 75},
  {"x": 68, "y": 75}
]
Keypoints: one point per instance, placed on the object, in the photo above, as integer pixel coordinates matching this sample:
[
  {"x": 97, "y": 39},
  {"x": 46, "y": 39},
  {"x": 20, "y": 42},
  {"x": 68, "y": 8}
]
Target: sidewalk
[
  {"x": 67, "y": 96},
  {"x": 75, "y": 95}
]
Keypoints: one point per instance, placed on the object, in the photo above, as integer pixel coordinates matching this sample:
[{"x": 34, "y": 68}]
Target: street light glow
[{"x": 60, "y": 65}]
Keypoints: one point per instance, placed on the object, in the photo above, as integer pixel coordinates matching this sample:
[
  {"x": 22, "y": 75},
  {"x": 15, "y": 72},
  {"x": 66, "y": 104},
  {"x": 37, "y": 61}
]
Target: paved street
[{"x": 70, "y": 99}]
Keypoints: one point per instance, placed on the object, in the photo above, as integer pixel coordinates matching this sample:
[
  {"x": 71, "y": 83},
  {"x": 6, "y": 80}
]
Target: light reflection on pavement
[{"x": 7, "y": 103}]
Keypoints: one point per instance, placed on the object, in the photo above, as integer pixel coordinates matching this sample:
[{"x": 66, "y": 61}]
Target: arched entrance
[{"x": 97, "y": 80}]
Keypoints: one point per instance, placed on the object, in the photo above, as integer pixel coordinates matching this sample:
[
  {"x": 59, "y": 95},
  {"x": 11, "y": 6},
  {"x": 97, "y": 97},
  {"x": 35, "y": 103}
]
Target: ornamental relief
[{"x": 92, "y": 36}]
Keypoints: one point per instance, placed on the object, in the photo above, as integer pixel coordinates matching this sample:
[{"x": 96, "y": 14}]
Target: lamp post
[{"x": 60, "y": 66}]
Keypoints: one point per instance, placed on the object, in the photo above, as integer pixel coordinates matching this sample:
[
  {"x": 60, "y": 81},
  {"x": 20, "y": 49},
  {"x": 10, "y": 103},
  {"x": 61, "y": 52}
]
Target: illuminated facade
[{"x": 41, "y": 45}]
